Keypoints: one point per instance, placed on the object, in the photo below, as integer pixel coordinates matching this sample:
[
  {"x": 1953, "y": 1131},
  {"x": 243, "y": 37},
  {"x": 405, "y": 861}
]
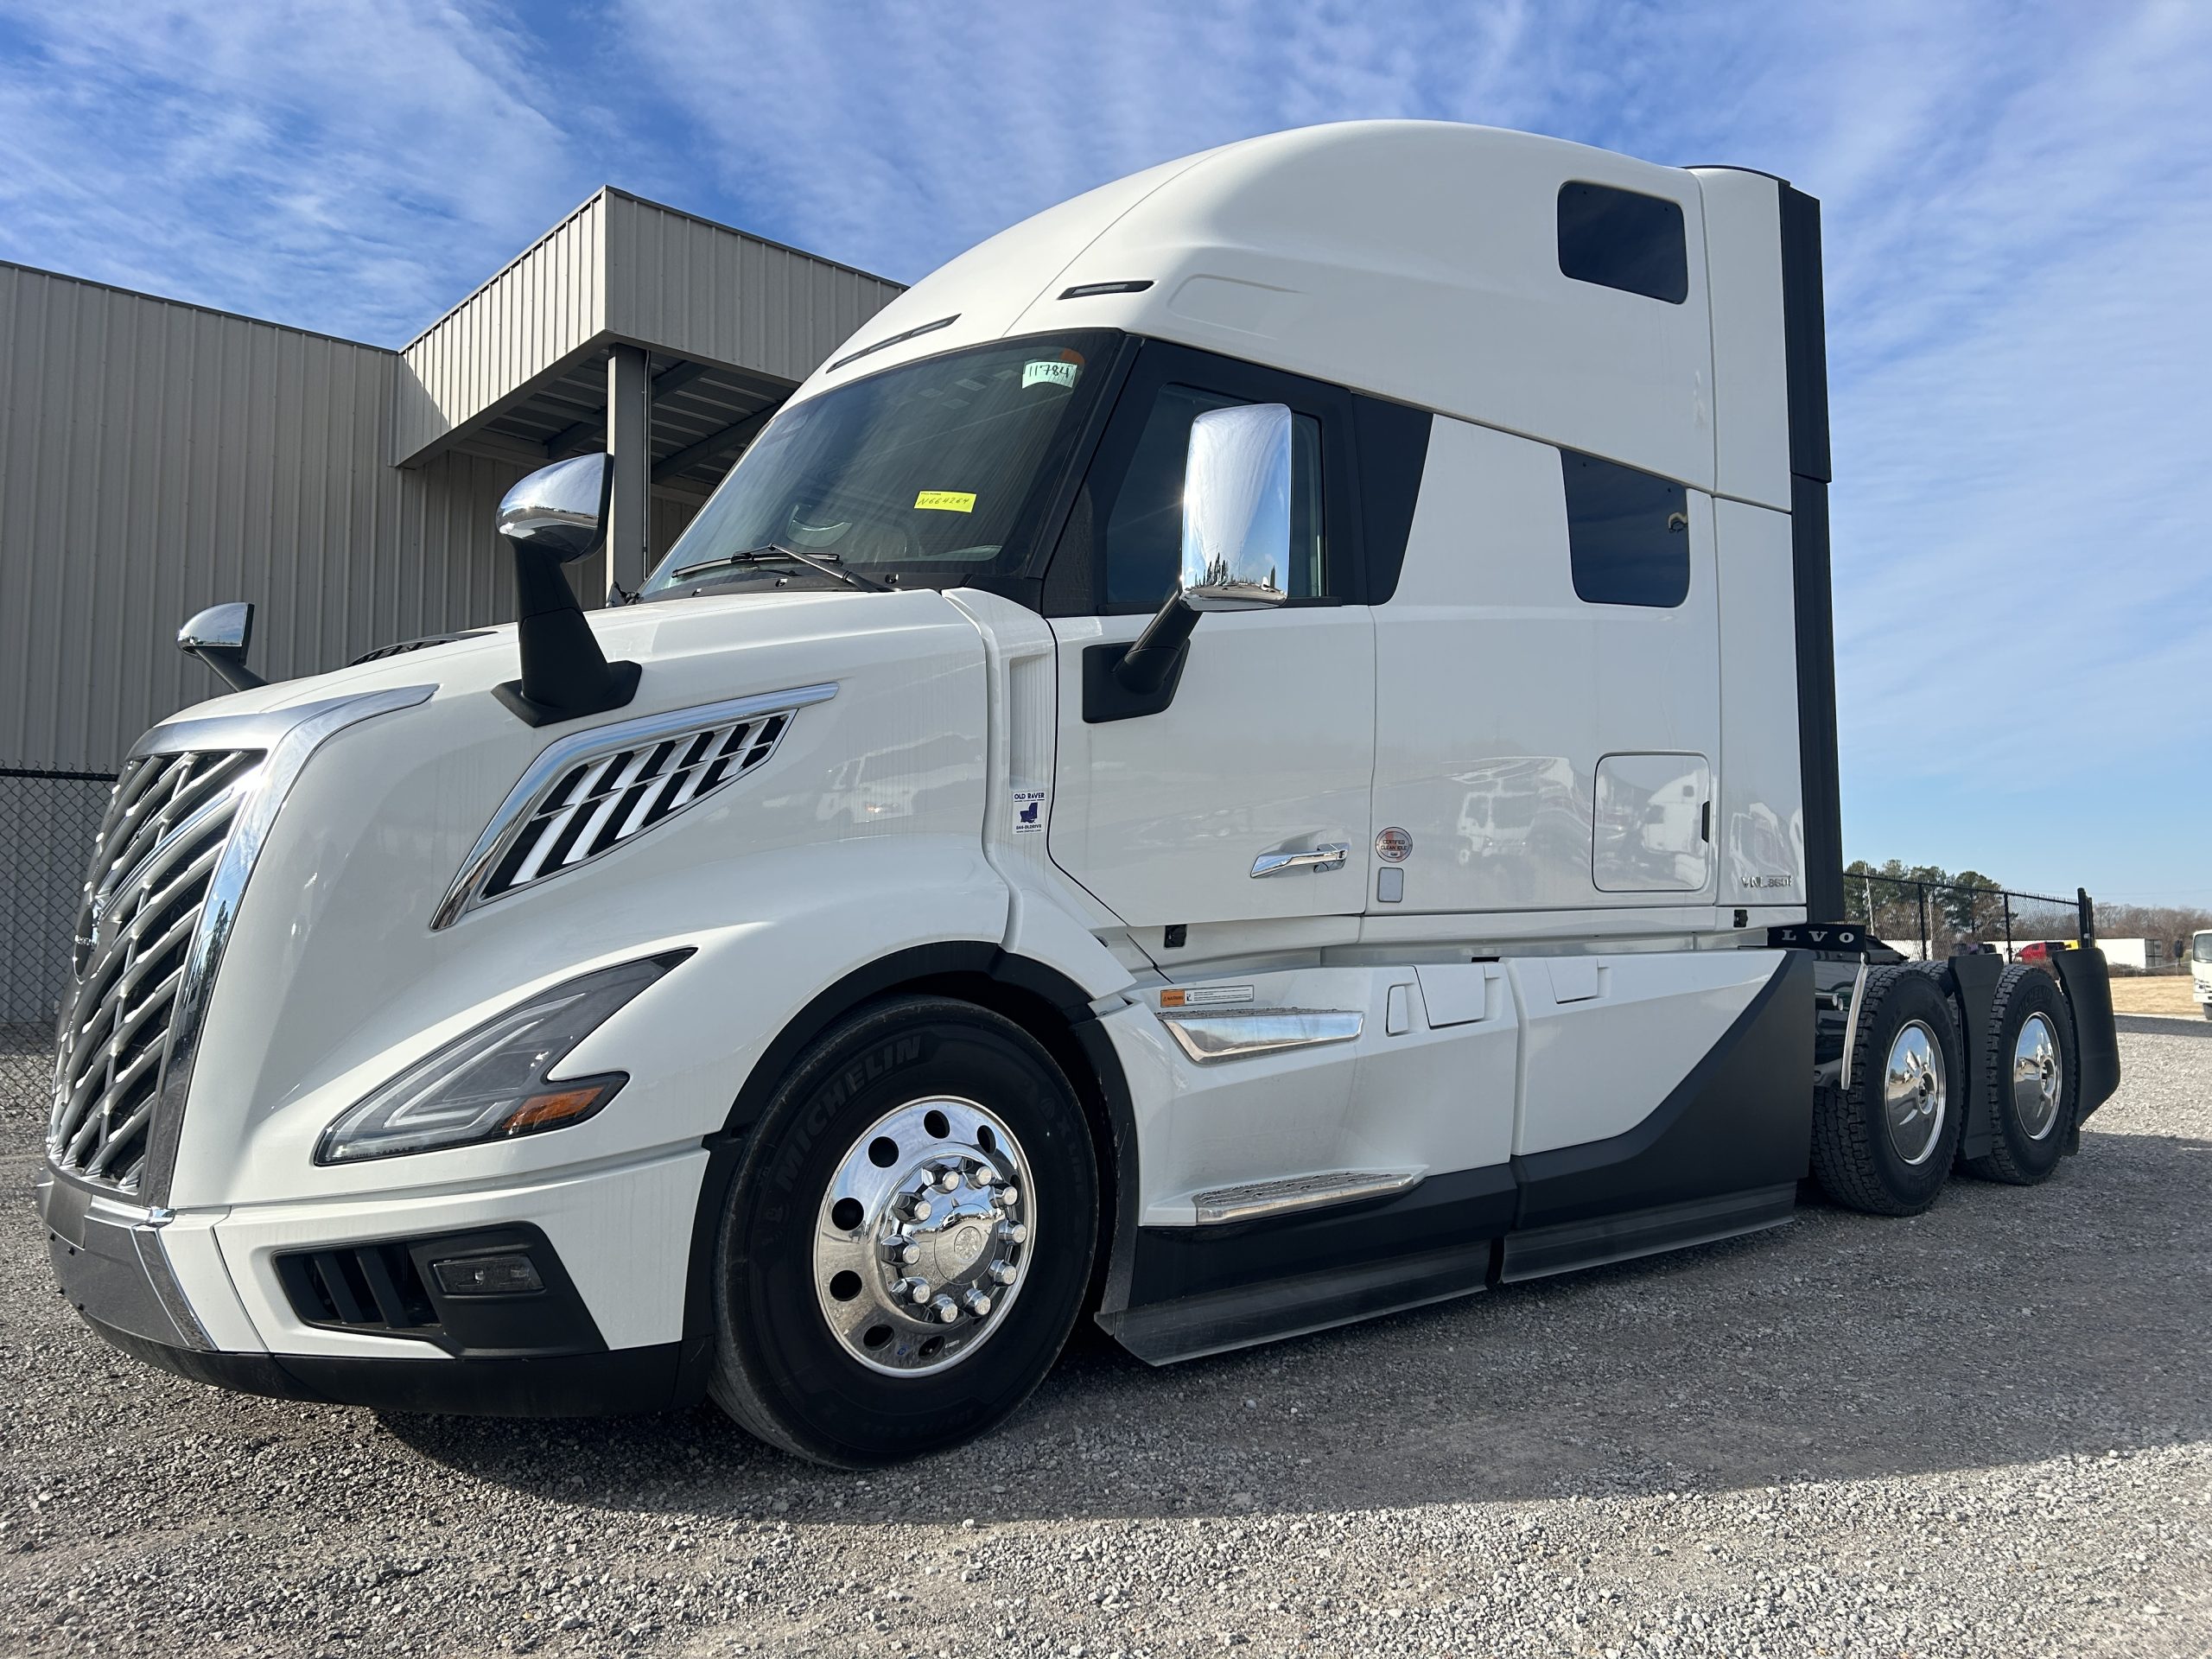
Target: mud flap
[
  {"x": 2087, "y": 984},
  {"x": 1974, "y": 977}
]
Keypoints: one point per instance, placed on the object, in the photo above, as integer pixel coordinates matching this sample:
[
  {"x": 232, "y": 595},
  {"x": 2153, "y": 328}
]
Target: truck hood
[
  {"x": 340, "y": 966},
  {"x": 666, "y": 634}
]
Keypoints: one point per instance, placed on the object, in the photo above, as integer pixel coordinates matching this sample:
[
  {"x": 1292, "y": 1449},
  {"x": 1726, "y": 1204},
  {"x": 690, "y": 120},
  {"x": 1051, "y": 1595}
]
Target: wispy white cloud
[
  {"x": 2017, "y": 204},
  {"x": 2018, "y": 201},
  {"x": 335, "y": 167}
]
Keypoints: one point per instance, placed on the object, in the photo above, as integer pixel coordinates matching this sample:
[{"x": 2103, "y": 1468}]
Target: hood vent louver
[{"x": 594, "y": 790}]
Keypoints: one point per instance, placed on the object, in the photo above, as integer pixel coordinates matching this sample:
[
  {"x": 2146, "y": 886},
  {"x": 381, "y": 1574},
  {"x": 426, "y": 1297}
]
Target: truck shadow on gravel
[{"x": 2007, "y": 1325}]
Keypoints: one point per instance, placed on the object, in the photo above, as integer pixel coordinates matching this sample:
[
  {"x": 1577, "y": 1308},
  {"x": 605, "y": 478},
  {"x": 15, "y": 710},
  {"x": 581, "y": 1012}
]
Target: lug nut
[
  {"x": 981, "y": 1176},
  {"x": 915, "y": 1291},
  {"x": 914, "y": 1207},
  {"x": 947, "y": 1178},
  {"x": 1013, "y": 1232},
  {"x": 1008, "y": 1196},
  {"x": 975, "y": 1301},
  {"x": 1002, "y": 1271},
  {"x": 902, "y": 1252},
  {"x": 945, "y": 1309}
]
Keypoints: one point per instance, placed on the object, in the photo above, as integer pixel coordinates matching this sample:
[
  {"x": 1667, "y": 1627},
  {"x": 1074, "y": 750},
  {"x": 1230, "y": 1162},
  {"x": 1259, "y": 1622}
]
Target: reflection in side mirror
[
  {"x": 1236, "y": 508},
  {"x": 559, "y": 509},
  {"x": 1235, "y": 547},
  {"x": 218, "y": 637}
]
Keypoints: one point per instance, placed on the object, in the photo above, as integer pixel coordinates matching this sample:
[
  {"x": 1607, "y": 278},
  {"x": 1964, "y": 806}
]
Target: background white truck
[{"x": 1257, "y": 750}]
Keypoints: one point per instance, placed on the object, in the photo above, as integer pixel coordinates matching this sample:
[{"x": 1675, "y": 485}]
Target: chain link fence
[
  {"x": 48, "y": 821},
  {"x": 1939, "y": 918}
]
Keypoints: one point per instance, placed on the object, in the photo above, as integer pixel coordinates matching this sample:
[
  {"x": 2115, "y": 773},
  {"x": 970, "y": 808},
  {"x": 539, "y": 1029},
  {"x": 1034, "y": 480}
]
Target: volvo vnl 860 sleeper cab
[{"x": 1257, "y": 750}]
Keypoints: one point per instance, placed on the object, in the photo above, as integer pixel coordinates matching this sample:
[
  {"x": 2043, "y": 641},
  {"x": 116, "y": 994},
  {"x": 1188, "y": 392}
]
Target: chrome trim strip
[
  {"x": 1255, "y": 1199},
  {"x": 565, "y": 752},
  {"x": 1851, "y": 1024},
  {"x": 125, "y": 1272},
  {"x": 289, "y": 736},
  {"x": 1209, "y": 1036}
]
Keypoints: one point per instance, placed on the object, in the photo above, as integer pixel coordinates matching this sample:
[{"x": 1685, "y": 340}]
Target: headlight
[{"x": 490, "y": 1083}]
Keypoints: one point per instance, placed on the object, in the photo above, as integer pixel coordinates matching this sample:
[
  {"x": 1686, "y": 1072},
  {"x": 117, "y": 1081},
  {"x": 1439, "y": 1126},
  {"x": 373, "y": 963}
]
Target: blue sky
[{"x": 2018, "y": 201}]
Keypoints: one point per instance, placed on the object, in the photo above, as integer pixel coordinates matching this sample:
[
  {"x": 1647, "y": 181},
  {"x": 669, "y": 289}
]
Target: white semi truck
[{"x": 1256, "y": 751}]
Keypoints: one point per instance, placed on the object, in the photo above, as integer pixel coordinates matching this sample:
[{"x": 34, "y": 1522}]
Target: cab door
[{"x": 1246, "y": 796}]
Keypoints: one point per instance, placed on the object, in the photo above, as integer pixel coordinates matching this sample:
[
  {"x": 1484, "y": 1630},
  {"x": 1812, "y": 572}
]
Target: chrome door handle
[{"x": 1328, "y": 856}]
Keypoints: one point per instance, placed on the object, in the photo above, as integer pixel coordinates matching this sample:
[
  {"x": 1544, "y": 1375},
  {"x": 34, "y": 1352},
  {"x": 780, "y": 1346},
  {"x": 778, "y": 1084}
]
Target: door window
[
  {"x": 1144, "y": 531},
  {"x": 1122, "y": 549}
]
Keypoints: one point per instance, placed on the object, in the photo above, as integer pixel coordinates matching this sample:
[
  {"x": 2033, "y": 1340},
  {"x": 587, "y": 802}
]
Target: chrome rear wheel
[
  {"x": 2038, "y": 1079},
  {"x": 1915, "y": 1099}
]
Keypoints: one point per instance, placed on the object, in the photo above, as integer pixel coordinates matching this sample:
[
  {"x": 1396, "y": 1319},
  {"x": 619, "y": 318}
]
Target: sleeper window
[
  {"x": 1627, "y": 533},
  {"x": 1618, "y": 238},
  {"x": 1144, "y": 531}
]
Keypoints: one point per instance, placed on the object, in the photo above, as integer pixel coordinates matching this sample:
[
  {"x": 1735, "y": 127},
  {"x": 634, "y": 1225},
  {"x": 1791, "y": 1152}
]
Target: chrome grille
[
  {"x": 590, "y": 793},
  {"x": 167, "y": 823}
]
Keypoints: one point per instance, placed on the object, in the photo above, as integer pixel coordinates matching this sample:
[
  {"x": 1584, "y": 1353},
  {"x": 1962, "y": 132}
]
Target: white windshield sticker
[{"x": 1051, "y": 373}]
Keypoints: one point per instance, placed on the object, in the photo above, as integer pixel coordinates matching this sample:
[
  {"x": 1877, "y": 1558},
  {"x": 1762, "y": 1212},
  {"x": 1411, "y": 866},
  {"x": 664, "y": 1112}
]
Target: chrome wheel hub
[
  {"x": 1913, "y": 1096},
  {"x": 924, "y": 1238},
  {"x": 2038, "y": 1084}
]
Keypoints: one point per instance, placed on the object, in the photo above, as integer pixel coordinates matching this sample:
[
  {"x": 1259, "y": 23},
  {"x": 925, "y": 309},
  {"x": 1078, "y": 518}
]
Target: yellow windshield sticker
[{"x": 945, "y": 501}]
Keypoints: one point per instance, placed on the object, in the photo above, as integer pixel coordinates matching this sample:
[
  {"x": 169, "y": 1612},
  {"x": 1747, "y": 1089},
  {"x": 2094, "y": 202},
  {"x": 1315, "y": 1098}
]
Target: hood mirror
[
  {"x": 554, "y": 517},
  {"x": 1235, "y": 548},
  {"x": 218, "y": 637},
  {"x": 560, "y": 510}
]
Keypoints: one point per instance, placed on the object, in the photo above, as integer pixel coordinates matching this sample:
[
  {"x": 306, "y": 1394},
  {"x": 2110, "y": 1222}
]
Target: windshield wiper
[{"x": 827, "y": 563}]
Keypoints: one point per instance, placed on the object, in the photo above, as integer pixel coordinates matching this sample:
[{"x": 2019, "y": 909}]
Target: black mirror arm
[
  {"x": 229, "y": 663},
  {"x": 1158, "y": 652},
  {"x": 565, "y": 676},
  {"x": 1127, "y": 682}
]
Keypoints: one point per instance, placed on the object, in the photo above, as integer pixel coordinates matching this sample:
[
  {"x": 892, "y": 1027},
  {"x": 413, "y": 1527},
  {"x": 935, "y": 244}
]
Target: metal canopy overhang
[
  {"x": 703, "y": 415},
  {"x": 729, "y": 323}
]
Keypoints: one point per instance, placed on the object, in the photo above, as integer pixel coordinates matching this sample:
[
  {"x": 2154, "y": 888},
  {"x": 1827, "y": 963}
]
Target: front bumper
[
  {"x": 256, "y": 1298},
  {"x": 621, "y": 1383}
]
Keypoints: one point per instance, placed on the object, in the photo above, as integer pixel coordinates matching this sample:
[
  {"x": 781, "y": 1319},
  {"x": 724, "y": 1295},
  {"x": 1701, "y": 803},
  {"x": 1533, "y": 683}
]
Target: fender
[{"x": 919, "y": 966}]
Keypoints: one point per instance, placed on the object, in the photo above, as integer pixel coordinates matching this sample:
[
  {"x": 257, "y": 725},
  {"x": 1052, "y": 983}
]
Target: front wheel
[{"x": 908, "y": 1239}]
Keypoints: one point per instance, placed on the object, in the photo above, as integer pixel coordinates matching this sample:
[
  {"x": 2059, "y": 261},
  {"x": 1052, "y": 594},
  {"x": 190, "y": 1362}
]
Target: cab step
[{"x": 1251, "y": 1200}]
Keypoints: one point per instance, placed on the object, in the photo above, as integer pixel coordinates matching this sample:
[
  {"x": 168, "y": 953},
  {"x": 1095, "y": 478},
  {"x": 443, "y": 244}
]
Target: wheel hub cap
[
  {"x": 923, "y": 1240},
  {"x": 2037, "y": 1083},
  {"x": 1913, "y": 1096}
]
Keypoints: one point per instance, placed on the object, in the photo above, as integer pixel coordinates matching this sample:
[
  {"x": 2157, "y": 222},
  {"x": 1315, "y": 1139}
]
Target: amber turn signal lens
[{"x": 558, "y": 1106}]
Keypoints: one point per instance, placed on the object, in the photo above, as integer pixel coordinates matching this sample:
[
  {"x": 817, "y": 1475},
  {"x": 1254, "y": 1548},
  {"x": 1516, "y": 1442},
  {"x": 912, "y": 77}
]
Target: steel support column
[{"x": 630, "y": 440}]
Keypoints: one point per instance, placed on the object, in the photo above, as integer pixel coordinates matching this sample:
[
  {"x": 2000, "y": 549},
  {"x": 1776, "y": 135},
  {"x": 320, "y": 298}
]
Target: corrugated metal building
[{"x": 157, "y": 457}]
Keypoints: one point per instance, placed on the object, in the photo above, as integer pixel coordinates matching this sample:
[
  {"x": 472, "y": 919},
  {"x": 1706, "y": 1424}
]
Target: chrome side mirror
[
  {"x": 559, "y": 509},
  {"x": 218, "y": 637},
  {"x": 1235, "y": 549},
  {"x": 1236, "y": 509},
  {"x": 554, "y": 517}
]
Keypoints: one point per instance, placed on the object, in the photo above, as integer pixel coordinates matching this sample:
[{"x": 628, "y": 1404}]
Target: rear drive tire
[
  {"x": 2029, "y": 1078},
  {"x": 908, "y": 1239},
  {"x": 1884, "y": 1144}
]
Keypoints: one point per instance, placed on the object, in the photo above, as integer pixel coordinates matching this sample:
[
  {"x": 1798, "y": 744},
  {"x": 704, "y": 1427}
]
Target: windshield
[
  {"x": 929, "y": 472},
  {"x": 2203, "y": 951}
]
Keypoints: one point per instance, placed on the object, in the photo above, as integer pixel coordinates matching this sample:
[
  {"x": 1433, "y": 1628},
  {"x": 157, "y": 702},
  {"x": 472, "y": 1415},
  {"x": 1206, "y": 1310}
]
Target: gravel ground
[{"x": 1987, "y": 1430}]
